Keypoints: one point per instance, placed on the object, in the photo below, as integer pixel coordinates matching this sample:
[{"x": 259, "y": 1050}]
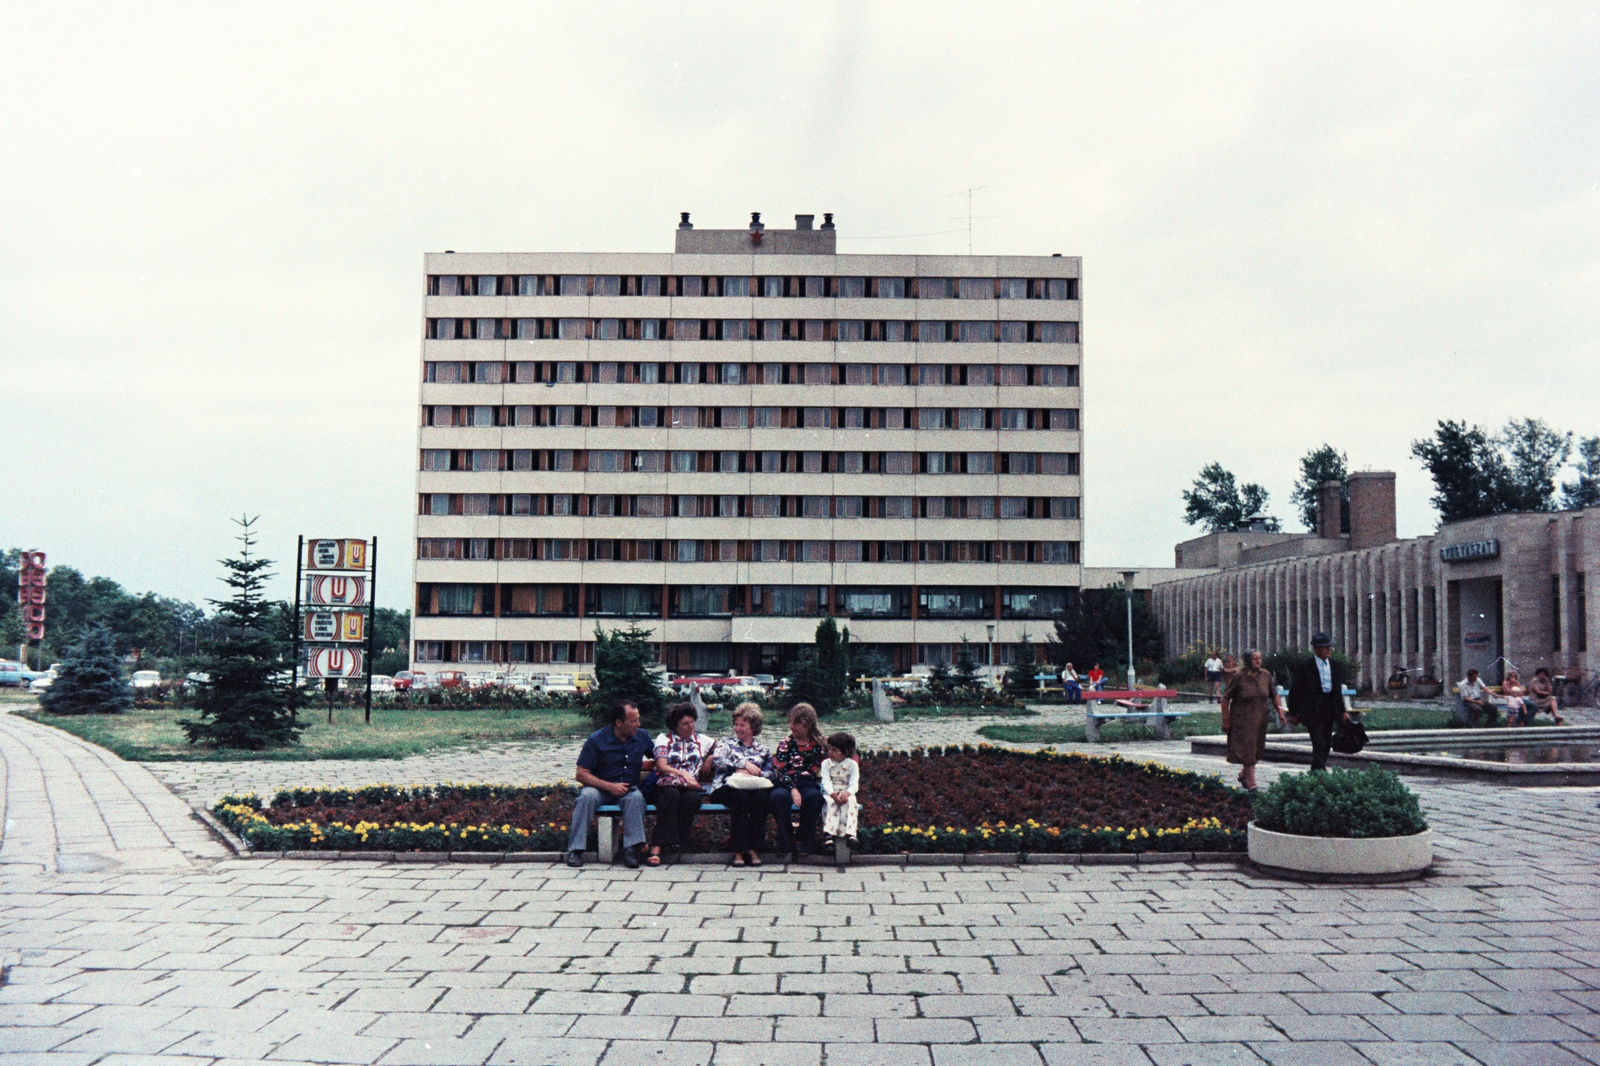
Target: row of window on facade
[
  {"x": 657, "y": 462},
  {"x": 788, "y": 601},
  {"x": 534, "y": 372},
  {"x": 580, "y": 549},
  {"x": 607, "y": 417},
  {"x": 696, "y": 657},
  {"x": 803, "y": 287},
  {"x": 740, "y": 329},
  {"x": 731, "y": 506}
]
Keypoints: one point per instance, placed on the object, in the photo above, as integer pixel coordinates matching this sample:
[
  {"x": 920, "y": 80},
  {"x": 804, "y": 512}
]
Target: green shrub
[{"x": 1340, "y": 803}]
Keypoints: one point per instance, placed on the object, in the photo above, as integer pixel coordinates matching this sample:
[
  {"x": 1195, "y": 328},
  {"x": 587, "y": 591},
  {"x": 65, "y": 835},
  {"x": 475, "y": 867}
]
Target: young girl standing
[{"x": 840, "y": 778}]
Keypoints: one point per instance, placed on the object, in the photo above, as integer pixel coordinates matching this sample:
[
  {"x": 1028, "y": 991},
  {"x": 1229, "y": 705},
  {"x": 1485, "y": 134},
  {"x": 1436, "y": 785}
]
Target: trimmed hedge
[{"x": 1340, "y": 803}]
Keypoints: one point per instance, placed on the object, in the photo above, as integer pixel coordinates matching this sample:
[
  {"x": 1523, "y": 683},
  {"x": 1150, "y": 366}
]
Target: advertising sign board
[
  {"x": 334, "y": 662},
  {"x": 336, "y": 554},
  {"x": 336, "y": 590},
  {"x": 337, "y": 627}
]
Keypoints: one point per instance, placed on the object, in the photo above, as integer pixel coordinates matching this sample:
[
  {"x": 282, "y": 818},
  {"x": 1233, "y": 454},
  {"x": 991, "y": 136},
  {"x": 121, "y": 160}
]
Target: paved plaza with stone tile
[{"x": 129, "y": 935}]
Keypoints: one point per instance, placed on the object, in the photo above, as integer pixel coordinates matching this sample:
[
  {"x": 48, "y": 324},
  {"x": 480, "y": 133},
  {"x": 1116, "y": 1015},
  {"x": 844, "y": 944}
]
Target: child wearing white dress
[{"x": 840, "y": 780}]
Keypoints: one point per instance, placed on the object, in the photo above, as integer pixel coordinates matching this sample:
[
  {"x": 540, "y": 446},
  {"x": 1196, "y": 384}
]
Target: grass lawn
[
  {"x": 1200, "y": 724},
  {"x": 154, "y": 735}
]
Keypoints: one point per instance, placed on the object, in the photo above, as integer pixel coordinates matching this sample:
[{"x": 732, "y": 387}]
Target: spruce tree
[
  {"x": 824, "y": 669},
  {"x": 624, "y": 669},
  {"x": 90, "y": 681},
  {"x": 249, "y": 699},
  {"x": 966, "y": 672},
  {"x": 1019, "y": 680}
]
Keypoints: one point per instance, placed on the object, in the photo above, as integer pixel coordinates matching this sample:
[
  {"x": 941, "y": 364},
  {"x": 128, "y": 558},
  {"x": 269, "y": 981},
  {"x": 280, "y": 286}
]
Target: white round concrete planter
[{"x": 1341, "y": 858}]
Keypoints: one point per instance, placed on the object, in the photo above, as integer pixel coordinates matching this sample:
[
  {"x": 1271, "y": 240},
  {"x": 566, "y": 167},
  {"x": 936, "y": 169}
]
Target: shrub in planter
[{"x": 1340, "y": 803}]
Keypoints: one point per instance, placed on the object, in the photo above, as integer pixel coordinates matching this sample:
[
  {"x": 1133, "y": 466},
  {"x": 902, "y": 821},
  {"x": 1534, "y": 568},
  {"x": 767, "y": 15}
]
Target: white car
[
  {"x": 146, "y": 679},
  {"x": 39, "y": 684},
  {"x": 558, "y": 683},
  {"x": 382, "y": 683}
]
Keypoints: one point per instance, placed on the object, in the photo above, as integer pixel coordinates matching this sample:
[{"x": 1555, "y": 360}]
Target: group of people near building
[
  {"x": 682, "y": 769},
  {"x": 1475, "y": 700}
]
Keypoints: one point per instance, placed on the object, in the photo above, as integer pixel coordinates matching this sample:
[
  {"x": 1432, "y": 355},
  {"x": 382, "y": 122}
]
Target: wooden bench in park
[
  {"x": 1155, "y": 713},
  {"x": 606, "y": 830}
]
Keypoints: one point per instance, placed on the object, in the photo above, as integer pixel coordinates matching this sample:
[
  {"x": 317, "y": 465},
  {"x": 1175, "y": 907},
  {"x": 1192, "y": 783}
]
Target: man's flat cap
[{"x": 1321, "y": 640}]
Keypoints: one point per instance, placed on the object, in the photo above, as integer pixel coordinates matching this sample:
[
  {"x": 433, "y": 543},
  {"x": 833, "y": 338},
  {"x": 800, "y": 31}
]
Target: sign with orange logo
[{"x": 338, "y": 554}]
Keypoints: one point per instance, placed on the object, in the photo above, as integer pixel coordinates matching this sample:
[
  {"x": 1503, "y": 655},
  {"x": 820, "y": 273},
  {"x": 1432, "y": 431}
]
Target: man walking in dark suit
[{"x": 1316, "y": 698}]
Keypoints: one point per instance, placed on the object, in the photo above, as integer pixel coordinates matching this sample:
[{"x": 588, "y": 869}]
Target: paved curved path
[
  {"x": 126, "y": 938},
  {"x": 71, "y": 806}
]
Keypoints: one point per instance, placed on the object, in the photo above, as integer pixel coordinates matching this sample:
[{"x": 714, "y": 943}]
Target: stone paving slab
[{"x": 203, "y": 959}]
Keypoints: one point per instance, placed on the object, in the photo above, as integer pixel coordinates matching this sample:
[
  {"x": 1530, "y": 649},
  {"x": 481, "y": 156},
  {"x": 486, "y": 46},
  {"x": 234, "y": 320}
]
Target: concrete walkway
[
  {"x": 70, "y": 806},
  {"x": 193, "y": 959}
]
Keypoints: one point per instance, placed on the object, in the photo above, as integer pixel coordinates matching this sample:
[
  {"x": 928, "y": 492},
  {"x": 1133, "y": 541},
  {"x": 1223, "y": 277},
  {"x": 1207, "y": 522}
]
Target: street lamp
[
  {"x": 1127, "y": 589},
  {"x": 990, "y": 628}
]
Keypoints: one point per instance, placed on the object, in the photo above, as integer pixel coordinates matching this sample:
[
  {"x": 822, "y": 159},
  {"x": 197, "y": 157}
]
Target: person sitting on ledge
[
  {"x": 1542, "y": 696},
  {"x": 608, "y": 768},
  {"x": 1476, "y": 700}
]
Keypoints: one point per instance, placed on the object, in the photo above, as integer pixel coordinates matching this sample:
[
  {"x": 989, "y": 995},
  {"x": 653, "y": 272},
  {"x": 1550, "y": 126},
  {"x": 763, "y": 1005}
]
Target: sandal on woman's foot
[
  {"x": 738, "y": 860},
  {"x": 755, "y": 860},
  {"x": 655, "y": 857}
]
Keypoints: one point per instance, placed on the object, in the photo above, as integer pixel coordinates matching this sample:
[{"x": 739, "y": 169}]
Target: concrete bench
[
  {"x": 1156, "y": 714},
  {"x": 606, "y": 816}
]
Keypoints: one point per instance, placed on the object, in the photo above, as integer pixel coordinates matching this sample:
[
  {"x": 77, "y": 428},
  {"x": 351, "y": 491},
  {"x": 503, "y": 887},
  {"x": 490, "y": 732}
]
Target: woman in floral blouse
[
  {"x": 797, "y": 780},
  {"x": 743, "y": 779},
  {"x": 674, "y": 787}
]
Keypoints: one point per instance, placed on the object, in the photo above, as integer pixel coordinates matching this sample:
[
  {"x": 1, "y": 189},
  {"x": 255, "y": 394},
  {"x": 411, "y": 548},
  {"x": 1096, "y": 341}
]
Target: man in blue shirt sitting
[{"x": 608, "y": 769}]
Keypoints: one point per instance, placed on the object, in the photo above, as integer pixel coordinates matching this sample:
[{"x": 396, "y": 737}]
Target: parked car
[
  {"x": 145, "y": 679},
  {"x": 521, "y": 682},
  {"x": 405, "y": 678},
  {"x": 558, "y": 683},
  {"x": 382, "y": 683},
  {"x": 485, "y": 680},
  {"x": 39, "y": 684},
  {"x": 449, "y": 679},
  {"x": 12, "y": 674}
]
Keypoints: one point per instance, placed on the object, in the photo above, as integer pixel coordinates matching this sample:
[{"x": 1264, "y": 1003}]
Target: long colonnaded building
[
  {"x": 725, "y": 443},
  {"x": 1496, "y": 593}
]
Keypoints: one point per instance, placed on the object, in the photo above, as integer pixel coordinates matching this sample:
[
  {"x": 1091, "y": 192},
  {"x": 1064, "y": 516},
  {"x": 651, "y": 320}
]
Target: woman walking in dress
[{"x": 1246, "y": 702}]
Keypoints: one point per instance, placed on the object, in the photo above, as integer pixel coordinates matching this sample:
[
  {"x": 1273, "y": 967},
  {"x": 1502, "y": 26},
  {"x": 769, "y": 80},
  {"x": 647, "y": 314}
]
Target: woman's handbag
[
  {"x": 747, "y": 782},
  {"x": 1348, "y": 737}
]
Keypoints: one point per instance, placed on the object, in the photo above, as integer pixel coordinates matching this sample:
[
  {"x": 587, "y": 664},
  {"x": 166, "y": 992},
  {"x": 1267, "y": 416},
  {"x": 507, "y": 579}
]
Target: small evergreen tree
[
  {"x": 1019, "y": 680},
  {"x": 624, "y": 669},
  {"x": 247, "y": 701},
  {"x": 965, "y": 676},
  {"x": 824, "y": 669},
  {"x": 90, "y": 681}
]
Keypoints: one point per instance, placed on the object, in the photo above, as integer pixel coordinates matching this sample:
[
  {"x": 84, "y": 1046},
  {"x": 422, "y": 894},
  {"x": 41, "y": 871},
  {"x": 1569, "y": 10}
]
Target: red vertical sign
[{"x": 30, "y": 593}]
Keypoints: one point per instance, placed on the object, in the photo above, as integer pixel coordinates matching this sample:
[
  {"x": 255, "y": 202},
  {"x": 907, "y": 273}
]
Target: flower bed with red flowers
[{"x": 946, "y": 800}]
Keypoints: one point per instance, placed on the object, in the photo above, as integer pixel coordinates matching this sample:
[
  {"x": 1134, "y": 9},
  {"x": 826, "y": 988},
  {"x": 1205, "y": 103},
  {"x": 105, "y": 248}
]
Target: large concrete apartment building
[{"x": 726, "y": 442}]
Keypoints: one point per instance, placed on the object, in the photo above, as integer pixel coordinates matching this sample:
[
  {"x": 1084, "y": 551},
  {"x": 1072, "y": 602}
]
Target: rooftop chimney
[
  {"x": 1329, "y": 495},
  {"x": 827, "y": 220},
  {"x": 804, "y": 221},
  {"x": 1371, "y": 508},
  {"x": 683, "y": 220}
]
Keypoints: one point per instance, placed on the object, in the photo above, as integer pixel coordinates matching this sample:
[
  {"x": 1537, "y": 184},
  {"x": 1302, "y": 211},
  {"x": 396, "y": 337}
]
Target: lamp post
[
  {"x": 1127, "y": 589},
  {"x": 990, "y": 628}
]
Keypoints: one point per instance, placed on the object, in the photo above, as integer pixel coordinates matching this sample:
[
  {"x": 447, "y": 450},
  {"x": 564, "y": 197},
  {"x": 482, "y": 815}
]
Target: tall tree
[
  {"x": 1316, "y": 466},
  {"x": 1095, "y": 629},
  {"x": 90, "y": 681},
  {"x": 249, "y": 699},
  {"x": 965, "y": 675},
  {"x": 824, "y": 669},
  {"x": 625, "y": 669},
  {"x": 1217, "y": 502},
  {"x": 1019, "y": 680},
  {"x": 1476, "y": 474},
  {"x": 1469, "y": 474},
  {"x": 1534, "y": 455},
  {"x": 391, "y": 641},
  {"x": 1584, "y": 490}
]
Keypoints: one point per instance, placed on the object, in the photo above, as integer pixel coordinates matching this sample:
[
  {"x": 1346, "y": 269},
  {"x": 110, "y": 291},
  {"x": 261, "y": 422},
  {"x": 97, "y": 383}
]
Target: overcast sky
[{"x": 1300, "y": 224}]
